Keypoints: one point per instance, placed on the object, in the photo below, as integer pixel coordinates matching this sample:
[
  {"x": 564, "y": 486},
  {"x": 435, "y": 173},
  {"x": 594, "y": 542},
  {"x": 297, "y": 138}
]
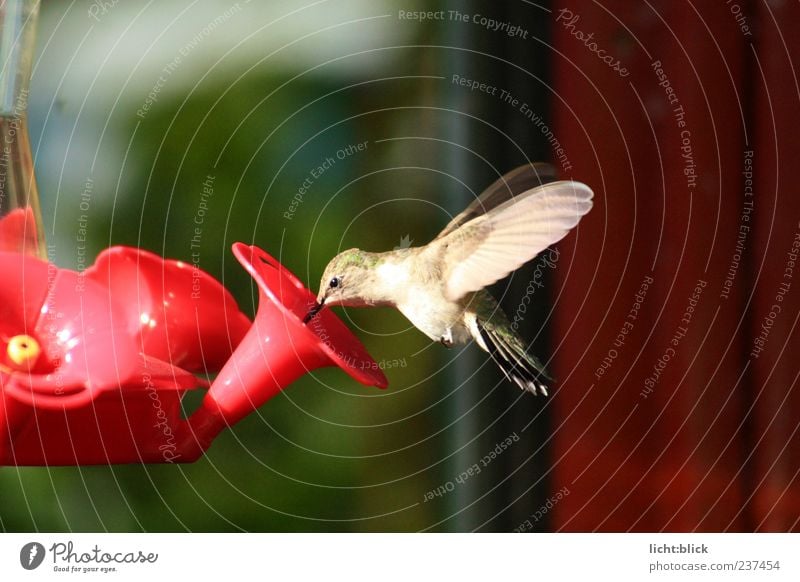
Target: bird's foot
[{"x": 447, "y": 339}]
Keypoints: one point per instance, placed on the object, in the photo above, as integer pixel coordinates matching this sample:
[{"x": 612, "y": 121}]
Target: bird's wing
[
  {"x": 506, "y": 187},
  {"x": 491, "y": 246}
]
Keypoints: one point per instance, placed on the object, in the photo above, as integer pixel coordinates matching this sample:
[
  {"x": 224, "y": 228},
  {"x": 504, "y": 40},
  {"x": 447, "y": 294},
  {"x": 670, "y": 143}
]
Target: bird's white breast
[
  {"x": 433, "y": 315},
  {"x": 424, "y": 306}
]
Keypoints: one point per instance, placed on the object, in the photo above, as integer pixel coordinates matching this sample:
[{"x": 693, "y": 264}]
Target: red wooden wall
[{"x": 666, "y": 418}]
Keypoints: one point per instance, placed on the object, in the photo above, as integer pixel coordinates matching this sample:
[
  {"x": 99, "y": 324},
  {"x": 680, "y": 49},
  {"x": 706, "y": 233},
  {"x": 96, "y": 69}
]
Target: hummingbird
[{"x": 440, "y": 287}]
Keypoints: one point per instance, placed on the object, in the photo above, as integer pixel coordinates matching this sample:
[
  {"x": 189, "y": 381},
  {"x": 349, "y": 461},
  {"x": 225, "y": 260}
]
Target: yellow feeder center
[{"x": 23, "y": 352}]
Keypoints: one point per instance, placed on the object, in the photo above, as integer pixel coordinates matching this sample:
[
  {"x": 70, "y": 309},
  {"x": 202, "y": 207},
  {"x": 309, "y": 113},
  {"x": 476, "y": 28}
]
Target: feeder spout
[
  {"x": 19, "y": 197},
  {"x": 277, "y": 350},
  {"x": 17, "y": 37}
]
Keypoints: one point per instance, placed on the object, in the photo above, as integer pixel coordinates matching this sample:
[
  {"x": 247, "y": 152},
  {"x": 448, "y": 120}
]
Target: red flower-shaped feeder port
[
  {"x": 278, "y": 348},
  {"x": 93, "y": 366}
]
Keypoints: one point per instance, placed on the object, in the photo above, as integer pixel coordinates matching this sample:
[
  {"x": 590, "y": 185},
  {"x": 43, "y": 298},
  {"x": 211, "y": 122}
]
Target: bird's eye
[{"x": 335, "y": 282}]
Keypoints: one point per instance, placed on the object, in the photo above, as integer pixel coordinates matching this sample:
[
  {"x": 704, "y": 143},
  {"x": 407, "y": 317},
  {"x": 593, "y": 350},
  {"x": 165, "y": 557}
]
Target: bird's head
[{"x": 346, "y": 281}]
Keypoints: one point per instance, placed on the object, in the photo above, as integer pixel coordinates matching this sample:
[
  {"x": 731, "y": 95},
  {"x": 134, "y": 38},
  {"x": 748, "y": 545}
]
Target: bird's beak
[{"x": 316, "y": 308}]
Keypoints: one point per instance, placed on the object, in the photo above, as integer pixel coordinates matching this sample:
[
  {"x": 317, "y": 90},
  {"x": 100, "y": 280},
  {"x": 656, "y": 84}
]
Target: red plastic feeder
[{"x": 93, "y": 366}]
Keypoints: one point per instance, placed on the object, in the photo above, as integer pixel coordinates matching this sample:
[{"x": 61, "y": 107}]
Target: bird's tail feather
[{"x": 520, "y": 367}]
